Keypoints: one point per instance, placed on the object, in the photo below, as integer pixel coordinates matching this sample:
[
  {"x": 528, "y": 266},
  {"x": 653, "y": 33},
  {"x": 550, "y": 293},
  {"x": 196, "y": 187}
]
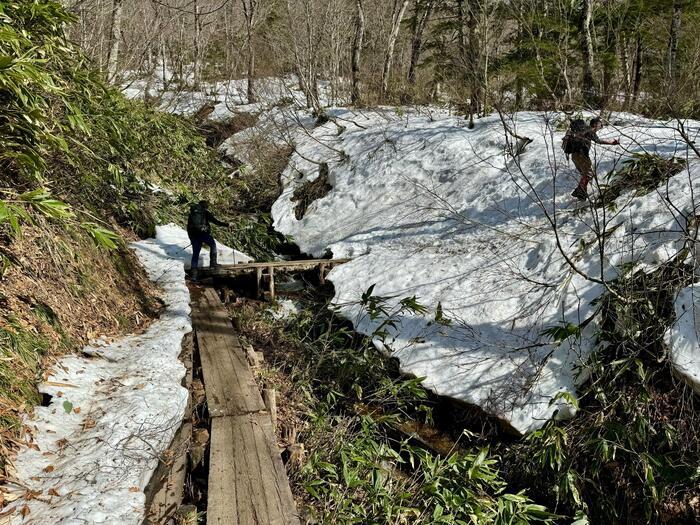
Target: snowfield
[
  {"x": 92, "y": 451},
  {"x": 427, "y": 207},
  {"x": 228, "y": 98}
]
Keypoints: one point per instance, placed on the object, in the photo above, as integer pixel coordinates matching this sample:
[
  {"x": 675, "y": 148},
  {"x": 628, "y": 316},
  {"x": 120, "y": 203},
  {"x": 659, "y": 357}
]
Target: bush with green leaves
[
  {"x": 632, "y": 453},
  {"x": 66, "y": 137},
  {"x": 360, "y": 470}
]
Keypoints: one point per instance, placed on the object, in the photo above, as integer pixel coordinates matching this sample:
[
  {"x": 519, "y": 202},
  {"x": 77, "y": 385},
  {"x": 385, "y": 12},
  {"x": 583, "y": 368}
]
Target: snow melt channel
[{"x": 92, "y": 451}]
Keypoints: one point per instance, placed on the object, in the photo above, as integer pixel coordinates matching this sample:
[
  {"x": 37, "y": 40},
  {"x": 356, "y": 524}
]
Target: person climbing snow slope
[{"x": 577, "y": 143}]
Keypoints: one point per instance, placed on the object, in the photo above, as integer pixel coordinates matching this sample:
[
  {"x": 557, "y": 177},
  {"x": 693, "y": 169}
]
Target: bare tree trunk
[
  {"x": 420, "y": 21},
  {"x": 588, "y": 85},
  {"x": 396, "y": 18},
  {"x": 115, "y": 37},
  {"x": 638, "y": 62},
  {"x": 197, "y": 59},
  {"x": 625, "y": 63},
  {"x": 462, "y": 46},
  {"x": 473, "y": 61},
  {"x": 249, "y": 14},
  {"x": 163, "y": 62},
  {"x": 356, "y": 53},
  {"x": 609, "y": 88},
  {"x": 673, "y": 39}
]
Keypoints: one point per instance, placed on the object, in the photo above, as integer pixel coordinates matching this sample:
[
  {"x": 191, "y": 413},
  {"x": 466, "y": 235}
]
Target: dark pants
[{"x": 203, "y": 238}]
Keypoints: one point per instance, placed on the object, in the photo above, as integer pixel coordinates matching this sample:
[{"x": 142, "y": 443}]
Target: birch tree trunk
[
  {"x": 588, "y": 85},
  {"x": 249, "y": 14},
  {"x": 197, "y": 59},
  {"x": 396, "y": 17},
  {"x": 355, "y": 94},
  {"x": 115, "y": 37}
]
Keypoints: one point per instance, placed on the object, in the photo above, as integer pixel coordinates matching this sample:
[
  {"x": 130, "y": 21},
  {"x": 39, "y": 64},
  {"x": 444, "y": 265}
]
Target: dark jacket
[
  {"x": 199, "y": 219},
  {"x": 583, "y": 140}
]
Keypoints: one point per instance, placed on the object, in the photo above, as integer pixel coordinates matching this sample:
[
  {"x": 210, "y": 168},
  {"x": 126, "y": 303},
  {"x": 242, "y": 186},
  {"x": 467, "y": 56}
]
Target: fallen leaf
[
  {"x": 55, "y": 383},
  {"x": 76, "y": 410},
  {"x": 89, "y": 423},
  {"x": 134, "y": 489},
  {"x": 52, "y": 492},
  {"x": 24, "y": 511},
  {"x": 49, "y": 468}
]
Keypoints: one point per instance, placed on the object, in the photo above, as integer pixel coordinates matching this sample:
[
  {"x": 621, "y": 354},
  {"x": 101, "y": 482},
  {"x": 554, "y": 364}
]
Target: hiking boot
[
  {"x": 194, "y": 275},
  {"x": 580, "y": 194}
]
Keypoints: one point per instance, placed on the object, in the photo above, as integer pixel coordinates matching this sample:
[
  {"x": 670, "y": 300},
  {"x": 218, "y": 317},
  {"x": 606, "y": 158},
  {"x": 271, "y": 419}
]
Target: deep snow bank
[
  {"x": 683, "y": 336},
  {"x": 428, "y": 207},
  {"x": 92, "y": 451}
]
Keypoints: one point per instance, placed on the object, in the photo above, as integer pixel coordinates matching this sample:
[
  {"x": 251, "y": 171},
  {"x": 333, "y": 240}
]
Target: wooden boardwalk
[
  {"x": 265, "y": 271},
  {"x": 248, "y": 483}
]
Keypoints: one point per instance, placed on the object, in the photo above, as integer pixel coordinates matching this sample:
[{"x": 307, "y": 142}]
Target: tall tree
[
  {"x": 356, "y": 52},
  {"x": 421, "y": 16},
  {"x": 115, "y": 38},
  {"x": 588, "y": 84},
  {"x": 397, "y": 13},
  {"x": 249, "y": 12},
  {"x": 673, "y": 39},
  {"x": 197, "y": 41}
]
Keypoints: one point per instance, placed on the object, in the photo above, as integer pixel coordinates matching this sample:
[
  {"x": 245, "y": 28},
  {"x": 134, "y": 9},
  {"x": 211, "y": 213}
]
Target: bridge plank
[
  {"x": 247, "y": 480},
  {"x": 236, "y": 269},
  {"x": 230, "y": 387}
]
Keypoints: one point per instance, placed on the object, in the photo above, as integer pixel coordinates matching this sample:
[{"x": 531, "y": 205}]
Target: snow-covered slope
[
  {"x": 427, "y": 207},
  {"x": 227, "y": 97}
]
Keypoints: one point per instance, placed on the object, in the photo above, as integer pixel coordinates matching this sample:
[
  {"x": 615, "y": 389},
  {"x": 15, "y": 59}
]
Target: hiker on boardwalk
[
  {"x": 199, "y": 232},
  {"x": 577, "y": 142}
]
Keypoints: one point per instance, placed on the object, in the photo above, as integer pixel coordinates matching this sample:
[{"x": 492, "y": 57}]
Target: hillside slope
[{"x": 427, "y": 207}]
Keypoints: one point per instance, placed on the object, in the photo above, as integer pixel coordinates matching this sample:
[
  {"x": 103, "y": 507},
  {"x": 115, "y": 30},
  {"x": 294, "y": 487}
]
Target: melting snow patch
[
  {"x": 431, "y": 208},
  {"x": 284, "y": 309},
  {"x": 174, "y": 241}
]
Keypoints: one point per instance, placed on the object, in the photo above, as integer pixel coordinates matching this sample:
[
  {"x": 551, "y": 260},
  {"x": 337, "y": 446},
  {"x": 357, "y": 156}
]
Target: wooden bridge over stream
[
  {"x": 265, "y": 271},
  {"x": 247, "y": 482}
]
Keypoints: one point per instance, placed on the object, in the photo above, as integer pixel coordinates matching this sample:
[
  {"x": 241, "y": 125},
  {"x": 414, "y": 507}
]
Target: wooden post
[
  {"x": 322, "y": 273},
  {"x": 271, "y": 271},
  {"x": 270, "y": 398},
  {"x": 258, "y": 277}
]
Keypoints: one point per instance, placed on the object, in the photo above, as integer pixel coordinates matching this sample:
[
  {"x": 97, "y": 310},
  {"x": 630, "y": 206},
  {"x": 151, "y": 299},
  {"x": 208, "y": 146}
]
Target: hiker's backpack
[
  {"x": 197, "y": 222},
  {"x": 573, "y": 141}
]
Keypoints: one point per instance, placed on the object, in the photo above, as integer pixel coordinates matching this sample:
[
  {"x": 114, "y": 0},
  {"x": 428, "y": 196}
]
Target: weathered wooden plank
[
  {"x": 271, "y": 272},
  {"x": 247, "y": 481},
  {"x": 234, "y": 269},
  {"x": 230, "y": 387},
  {"x": 165, "y": 490}
]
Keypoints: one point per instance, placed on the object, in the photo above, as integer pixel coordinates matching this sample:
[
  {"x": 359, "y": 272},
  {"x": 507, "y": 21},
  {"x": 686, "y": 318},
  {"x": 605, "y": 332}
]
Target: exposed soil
[{"x": 311, "y": 191}]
